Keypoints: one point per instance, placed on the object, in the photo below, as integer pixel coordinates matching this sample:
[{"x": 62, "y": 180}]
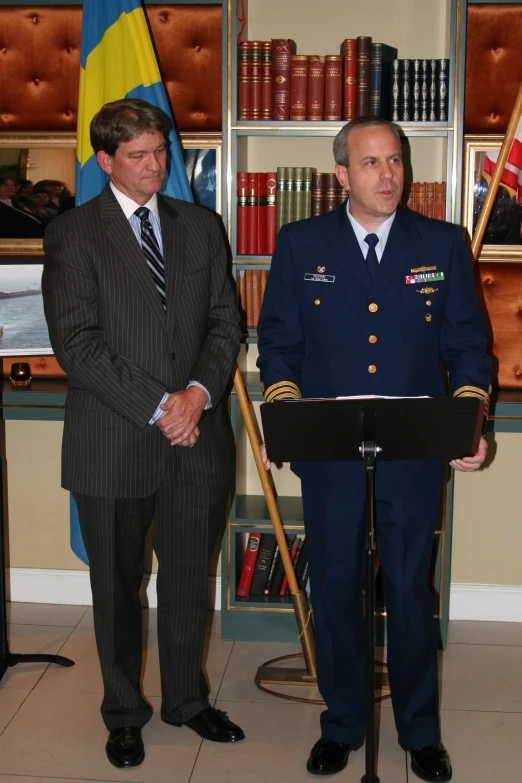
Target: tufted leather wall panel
[
  {"x": 500, "y": 292},
  {"x": 493, "y": 66},
  {"x": 40, "y": 55}
]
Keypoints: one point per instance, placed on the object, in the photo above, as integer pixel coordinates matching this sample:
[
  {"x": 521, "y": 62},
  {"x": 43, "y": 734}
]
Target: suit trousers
[
  {"x": 407, "y": 497},
  {"x": 187, "y": 521}
]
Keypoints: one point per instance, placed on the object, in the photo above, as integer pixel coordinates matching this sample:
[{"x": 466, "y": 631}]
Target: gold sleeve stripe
[
  {"x": 474, "y": 391},
  {"x": 279, "y": 391}
]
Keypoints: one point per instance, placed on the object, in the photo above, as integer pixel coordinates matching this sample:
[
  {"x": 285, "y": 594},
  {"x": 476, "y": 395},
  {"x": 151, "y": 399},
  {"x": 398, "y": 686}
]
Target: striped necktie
[
  {"x": 152, "y": 253},
  {"x": 372, "y": 263}
]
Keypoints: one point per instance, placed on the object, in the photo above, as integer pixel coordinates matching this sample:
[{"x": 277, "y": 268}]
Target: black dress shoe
[
  {"x": 125, "y": 747},
  {"x": 212, "y": 724},
  {"x": 431, "y": 763},
  {"x": 328, "y": 757}
]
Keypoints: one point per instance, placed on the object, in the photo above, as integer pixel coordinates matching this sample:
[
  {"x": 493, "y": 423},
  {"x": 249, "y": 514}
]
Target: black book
[
  {"x": 433, "y": 91},
  {"x": 279, "y": 571},
  {"x": 405, "y": 90},
  {"x": 301, "y": 564},
  {"x": 273, "y": 565},
  {"x": 425, "y": 114},
  {"x": 263, "y": 563},
  {"x": 395, "y": 91},
  {"x": 416, "y": 103},
  {"x": 442, "y": 90},
  {"x": 296, "y": 559},
  {"x": 382, "y": 57}
]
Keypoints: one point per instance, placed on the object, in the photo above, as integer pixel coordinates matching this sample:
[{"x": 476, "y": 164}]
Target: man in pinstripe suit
[{"x": 142, "y": 318}]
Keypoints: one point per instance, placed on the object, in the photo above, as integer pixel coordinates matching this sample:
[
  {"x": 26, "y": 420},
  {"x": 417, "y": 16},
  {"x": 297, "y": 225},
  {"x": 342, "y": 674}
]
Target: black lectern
[{"x": 328, "y": 430}]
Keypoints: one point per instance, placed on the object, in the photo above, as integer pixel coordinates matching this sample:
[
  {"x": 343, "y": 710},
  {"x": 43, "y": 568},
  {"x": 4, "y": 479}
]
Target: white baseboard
[
  {"x": 46, "y": 586},
  {"x": 43, "y": 586}
]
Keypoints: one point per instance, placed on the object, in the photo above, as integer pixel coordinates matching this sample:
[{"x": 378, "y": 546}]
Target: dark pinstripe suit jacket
[{"x": 121, "y": 351}]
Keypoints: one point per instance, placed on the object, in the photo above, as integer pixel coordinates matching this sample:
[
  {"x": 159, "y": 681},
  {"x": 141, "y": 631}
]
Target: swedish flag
[{"x": 117, "y": 61}]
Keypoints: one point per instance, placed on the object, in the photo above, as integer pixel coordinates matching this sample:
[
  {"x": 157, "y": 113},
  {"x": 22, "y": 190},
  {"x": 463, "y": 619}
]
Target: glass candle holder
[{"x": 20, "y": 374}]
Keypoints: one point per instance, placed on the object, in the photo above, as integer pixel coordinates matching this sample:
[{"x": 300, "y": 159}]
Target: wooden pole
[
  {"x": 298, "y": 596},
  {"x": 487, "y": 206}
]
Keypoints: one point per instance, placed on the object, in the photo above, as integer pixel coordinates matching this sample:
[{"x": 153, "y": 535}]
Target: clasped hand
[{"x": 183, "y": 411}]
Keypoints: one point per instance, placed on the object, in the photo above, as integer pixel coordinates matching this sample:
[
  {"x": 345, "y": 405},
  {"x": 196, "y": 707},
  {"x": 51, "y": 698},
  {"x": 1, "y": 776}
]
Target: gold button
[
  {"x": 428, "y": 317},
  {"x": 428, "y": 302},
  {"x": 317, "y": 302},
  {"x": 373, "y": 308},
  {"x": 372, "y": 338},
  {"x": 372, "y": 368}
]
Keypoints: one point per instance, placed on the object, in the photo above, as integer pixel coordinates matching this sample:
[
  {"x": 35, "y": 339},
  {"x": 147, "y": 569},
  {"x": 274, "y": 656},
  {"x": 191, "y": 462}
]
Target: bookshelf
[{"x": 418, "y": 28}]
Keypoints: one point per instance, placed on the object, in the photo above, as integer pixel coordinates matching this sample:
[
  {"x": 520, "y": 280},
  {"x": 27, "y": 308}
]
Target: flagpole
[{"x": 487, "y": 206}]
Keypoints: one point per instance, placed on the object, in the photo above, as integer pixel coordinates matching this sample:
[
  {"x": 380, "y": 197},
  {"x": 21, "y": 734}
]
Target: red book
[
  {"x": 256, "y": 67},
  {"x": 299, "y": 87},
  {"x": 439, "y": 211},
  {"x": 349, "y": 49},
  {"x": 429, "y": 207},
  {"x": 315, "y": 98},
  {"x": 282, "y": 51},
  {"x": 293, "y": 553},
  {"x": 249, "y": 563},
  {"x": 252, "y": 213},
  {"x": 271, "y": 184},
  {"x": 333, "y": 87},
  {"x": 262, "y": 239},
  {"x": 243, "y": 81},
  {"x": 266, "y": 80},
  {"x": 242, "y": 188}
]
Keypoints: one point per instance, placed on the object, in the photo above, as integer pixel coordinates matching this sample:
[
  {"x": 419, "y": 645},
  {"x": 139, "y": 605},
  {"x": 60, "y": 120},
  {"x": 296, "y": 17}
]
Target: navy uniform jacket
[{"x": 344, "y": 334}]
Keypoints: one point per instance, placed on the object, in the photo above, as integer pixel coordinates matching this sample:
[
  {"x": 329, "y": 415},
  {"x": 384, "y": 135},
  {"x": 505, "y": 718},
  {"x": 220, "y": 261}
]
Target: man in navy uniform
[{"x": 371, "y": 299}]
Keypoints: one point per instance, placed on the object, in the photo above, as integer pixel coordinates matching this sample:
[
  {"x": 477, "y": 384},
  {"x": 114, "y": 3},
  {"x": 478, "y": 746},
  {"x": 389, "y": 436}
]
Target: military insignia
[
  {"x": 429, "y": 277},
  {"x": 321, "y": 268},
  {"x": 423, "y": 269},
  {"x": 427, "y": 290}
]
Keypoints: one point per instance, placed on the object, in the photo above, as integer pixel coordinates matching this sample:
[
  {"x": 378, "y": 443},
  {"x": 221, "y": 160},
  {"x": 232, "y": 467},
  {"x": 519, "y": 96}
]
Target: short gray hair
[{"x": 340, "y": 143}]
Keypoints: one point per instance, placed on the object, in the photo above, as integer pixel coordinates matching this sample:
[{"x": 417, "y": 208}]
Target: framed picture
[
  {"x": 46, "y": 162},
  {"x": 23, "y": 329},
  {"x": 503, "y": 236}
]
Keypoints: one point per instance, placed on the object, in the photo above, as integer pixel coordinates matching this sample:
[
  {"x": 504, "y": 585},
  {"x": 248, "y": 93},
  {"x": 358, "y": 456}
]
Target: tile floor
[{"x": 51, "y": 730}]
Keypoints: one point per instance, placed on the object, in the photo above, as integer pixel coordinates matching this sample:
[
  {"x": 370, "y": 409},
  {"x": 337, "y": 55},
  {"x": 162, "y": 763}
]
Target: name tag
[{"x": 316, "y": 278}]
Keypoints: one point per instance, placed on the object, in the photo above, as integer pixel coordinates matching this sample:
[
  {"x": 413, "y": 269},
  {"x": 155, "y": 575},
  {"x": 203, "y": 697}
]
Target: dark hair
[
  {"x": 6, "y": 178},
  {"x": 43, "y": 184},
  {"x": 121, "y": 121},
  {"x": 340, "y": 143}
]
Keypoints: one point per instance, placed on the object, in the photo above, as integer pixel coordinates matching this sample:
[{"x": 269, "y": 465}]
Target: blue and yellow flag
[{"x": 117, "y": 61}]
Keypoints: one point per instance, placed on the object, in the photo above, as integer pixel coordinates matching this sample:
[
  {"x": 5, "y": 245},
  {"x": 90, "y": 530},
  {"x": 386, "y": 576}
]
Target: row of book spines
[
  {"x": 263, "y": 572},
  {"x": 251, "y": 284},
  {"x": 426, "y": 198},
  {"x": 256, "y": 213},
  {"x": 419, "y": 90}
]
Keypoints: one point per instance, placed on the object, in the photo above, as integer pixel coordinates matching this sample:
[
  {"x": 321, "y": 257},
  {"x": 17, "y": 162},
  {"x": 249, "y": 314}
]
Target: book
[
  {"x": 293, "y": 552},
  {"x": 396, "y": 91},
  {"x": 349, "y": 52},
  {"x": 262, "y": 232},
  {"x": 364, "y": 43},
  {"x": 407, "y": 195},
  {"x": 333, "y": 87},
  {"x": 273, "y": 565},
  {"x": 416, "y": 91},
  {"x": 439, "y": 210},
  {"x": 243, "y": 81},
  {"x": 266, "y": 80},
  {"x": 263, "y": 563},
  {"x": 307, "y": 191},
  {"x": 381, "y": 59},
  {"x": 298, "y": 194},
  {"x": 271, "y": 207},
  {"x": 433, "y": 88},
  {"x": 280, "y": 197},
  {"x": 249, "y": 299},
  {"x": 315, "y": 95},
  {"x": 419, "y": 197},
  {"x": 299, "y": 87},
  {"x": 252, "y": 213},
  {"x": 242, "y": 206},
  {"x": 249, "y": 562},
  {"x": 282, "y": 50},
  {"x": 425, "y": 115},
  {"x": 429, "y": 204},
  {"x": 317, "y": 194},
  {"x": 255, "y": 79},
  {"x": 241, "y": 296},
  {"x": 301, "y": 563},
  {"x": 405, "y": 91},
  {"x": 288, "y": 204},
  {"x": 279, "y": 570},
  {"x": 256, "y": 296},
  {"x": 296, "y": 560},
  {"x": 442, "y": 90},
  {"x": 330, "y": 192}
]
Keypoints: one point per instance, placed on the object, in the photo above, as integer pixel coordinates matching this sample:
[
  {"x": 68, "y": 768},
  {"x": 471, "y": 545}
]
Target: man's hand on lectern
[
  {"x": 264, "y": 458},
  {"x": 469, "y": 464}
]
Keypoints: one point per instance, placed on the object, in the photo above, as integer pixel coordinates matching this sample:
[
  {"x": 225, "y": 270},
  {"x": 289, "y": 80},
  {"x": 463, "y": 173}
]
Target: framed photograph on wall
[
  {"x": 503, "y": 236},
  {"x": 23, "y": 330},
  {"x": 202, "y": 156}
]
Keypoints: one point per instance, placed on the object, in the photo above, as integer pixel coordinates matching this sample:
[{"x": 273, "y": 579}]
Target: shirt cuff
[
  {"x": 158, "y": 413},
  {"x": 200, "y": 386}
]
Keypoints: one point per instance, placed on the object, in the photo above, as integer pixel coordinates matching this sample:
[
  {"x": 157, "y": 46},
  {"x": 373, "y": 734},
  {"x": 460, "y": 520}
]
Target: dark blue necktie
[
  {"x": 152, "y": 253},
  {"x": 371, "y": 259}
]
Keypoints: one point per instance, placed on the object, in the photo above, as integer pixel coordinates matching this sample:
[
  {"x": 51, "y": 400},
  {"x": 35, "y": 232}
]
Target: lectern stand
[
  {"x": 371, "y": 429},
  {"x": 8, "y": 659}
]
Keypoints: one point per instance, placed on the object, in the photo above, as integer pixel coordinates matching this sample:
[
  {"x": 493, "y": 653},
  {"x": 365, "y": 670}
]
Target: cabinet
[{"x": 418, "y": 28}]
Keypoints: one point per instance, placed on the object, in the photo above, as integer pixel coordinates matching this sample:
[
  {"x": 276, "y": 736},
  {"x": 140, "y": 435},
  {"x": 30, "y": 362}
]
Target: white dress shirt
[{"x": 382, "y": 232}]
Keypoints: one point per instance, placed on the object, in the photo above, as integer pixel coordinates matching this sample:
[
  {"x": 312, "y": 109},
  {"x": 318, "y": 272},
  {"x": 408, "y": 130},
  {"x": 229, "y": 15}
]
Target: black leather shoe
[
  {"x": 212, "y": 724},
  {"x": 125, "y": 747},
  {"x": 432, "y": 763},
  {"x": 328, "y": 757}
]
